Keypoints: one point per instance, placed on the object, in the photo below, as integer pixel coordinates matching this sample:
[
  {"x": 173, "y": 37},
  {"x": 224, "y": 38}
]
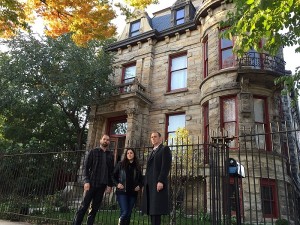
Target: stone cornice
[
  {"x": 132, "y": 40},
  {"x": 206, "y": 7},
  {"x": 153, "y": 34}
]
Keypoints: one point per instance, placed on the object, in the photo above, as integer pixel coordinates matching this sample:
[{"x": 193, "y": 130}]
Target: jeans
[
  {"x": 94, "y": 195},
  {"x": 126, "y": 203}
]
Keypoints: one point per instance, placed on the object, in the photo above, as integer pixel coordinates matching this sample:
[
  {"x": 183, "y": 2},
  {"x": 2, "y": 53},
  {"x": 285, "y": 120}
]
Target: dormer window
[
  {"x": 135, "y": 28},
  {"x": 182, "y": 12},
  {"x": 179, "y": 17}
]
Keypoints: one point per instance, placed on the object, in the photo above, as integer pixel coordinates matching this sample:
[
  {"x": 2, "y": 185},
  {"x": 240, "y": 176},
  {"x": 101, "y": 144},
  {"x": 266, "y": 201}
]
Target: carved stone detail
[
  {"x": 167, "y": 39},
  {"x": 131, "y": 111},
  {"x": 244, "y": 85}
]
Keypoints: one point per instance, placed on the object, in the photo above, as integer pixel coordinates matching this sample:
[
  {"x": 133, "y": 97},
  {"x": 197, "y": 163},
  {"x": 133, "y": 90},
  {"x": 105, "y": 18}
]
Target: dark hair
[{"x": 125, "y": 162}]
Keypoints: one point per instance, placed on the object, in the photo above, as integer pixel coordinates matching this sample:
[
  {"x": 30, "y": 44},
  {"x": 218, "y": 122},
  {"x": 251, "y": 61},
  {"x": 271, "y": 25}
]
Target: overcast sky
[{"x": 291, "y": 58}]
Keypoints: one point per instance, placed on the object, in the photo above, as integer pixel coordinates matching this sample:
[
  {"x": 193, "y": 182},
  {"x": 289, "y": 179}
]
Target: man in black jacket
[
  {"x": 97, "y": 172},
  {"x": 155, "y": 195}
]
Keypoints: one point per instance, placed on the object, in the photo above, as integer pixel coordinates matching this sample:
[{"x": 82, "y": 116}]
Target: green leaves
[
  {"x": 260, "y": 20},
  {"x": 54, "y": 74}
]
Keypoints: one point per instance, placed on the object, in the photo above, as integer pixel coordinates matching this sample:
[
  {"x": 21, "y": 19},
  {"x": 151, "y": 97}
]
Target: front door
[
  {"x": 117, "y": 129},
  {"x": 117, "y": 145}
]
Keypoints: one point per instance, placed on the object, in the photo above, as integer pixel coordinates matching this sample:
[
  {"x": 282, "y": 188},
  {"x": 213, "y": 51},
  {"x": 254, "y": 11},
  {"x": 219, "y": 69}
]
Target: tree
[
  {"x": 86, "y": 20},
  {"x": 141, "y": 4},
  {"x": 274, "y": 22},
  {"x": 36, "y": 73}
]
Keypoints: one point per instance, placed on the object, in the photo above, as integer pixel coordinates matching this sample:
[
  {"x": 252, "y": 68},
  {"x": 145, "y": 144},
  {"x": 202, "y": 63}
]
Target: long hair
[{"x": 125, "y": 162}]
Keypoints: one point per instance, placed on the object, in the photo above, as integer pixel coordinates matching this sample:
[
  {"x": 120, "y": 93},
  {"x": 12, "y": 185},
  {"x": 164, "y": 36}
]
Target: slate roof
[{"x": 161, "y": 23}]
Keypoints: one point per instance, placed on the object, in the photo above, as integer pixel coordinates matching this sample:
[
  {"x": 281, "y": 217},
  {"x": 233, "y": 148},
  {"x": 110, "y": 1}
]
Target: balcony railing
[
  {"x": 134, "y": 86},
  {"x": 261, "y": 61}
]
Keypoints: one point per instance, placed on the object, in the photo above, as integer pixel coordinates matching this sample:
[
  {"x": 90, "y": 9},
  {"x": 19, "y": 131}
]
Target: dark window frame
[
  {"x": 171, "y": 57},
  {"x": 167, "y": 133},
  {"x": 269, "y": 183},
  {"x": 235, "y": 147},
  {"x": 135, "y": 32},
  {"x": 205, "y": 114},
  {"x": 112, "y": 120},
  {"x": 179, "y": 20},
  {"x": 124, "y": 70},
  {"x": 266, "y": 122},
  {"x": 205, "y": 57},
  {"x": 223, "y": 49}
]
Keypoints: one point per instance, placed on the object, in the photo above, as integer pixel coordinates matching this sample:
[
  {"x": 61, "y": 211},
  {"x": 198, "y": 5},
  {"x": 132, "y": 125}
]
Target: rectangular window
[
  {"x": 205, "y": 112},
  {"x": 178, "y": 72},
  {"x": 226, "y": 53},
  {"x": 262, "y": 129},
  {"x": 128, "y": 76},
  {"x": 205, "y": 56},
  {"x": 135, "y": 28},
  {"x": 206, "y": 122},
  {"x": 268, "y": 198},
  {"x": 174, "y": 122},
  {"x": 179, "y": 18},
  {"x": 129, "y": 73},
  {"x": 229, "y": 119}
]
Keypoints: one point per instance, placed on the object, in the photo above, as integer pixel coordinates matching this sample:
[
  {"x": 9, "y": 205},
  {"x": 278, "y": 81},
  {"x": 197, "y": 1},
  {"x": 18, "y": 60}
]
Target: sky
[{"x": 291, "y": 58}]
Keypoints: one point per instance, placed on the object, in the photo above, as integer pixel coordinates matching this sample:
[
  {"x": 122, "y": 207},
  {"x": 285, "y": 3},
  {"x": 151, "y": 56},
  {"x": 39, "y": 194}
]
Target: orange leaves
[
  {"x": 86, "y": 20},
  {"x": 12, "y": 16}
]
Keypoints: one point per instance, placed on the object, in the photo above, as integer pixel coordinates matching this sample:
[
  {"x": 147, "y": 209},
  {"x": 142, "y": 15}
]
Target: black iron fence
[{"x": 253, "y": 183}]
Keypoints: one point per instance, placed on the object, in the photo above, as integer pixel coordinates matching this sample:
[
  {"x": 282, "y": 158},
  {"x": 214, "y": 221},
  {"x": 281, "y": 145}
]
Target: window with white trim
[{"x": 178, "y": 72}]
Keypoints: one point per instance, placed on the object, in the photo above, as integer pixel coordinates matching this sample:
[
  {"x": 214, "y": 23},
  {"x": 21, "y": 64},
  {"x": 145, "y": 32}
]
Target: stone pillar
[
  {"x": 133, "y": 134},
  {"x": 96, "y": 124}
]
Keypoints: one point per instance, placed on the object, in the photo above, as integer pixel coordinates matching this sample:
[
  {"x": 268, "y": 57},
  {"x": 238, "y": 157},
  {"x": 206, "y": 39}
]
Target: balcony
[
  {"x": 261, "y": 61},
  {"x": 130, "y": 87},
  {"x": 133, "y": 88}
]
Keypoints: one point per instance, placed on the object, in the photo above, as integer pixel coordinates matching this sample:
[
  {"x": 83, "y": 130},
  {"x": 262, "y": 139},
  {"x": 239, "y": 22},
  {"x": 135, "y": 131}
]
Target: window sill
[{"x": 176, "y": 91}]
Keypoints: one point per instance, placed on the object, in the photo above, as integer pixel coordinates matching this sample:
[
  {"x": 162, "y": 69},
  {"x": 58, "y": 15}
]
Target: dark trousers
[
  {"x": 155, "y": 219},
  {"x": 94, "y": 196},
  {"x": 126, "y": 203}
]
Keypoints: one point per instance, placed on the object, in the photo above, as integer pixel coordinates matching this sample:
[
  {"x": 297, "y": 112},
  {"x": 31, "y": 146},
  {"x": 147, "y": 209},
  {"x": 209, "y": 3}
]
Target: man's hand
[
  {"x": 137, "y": 188},
  {"x": 159, "y": 186},
  {"x": 86, "y": 187},
  {"x": 108, "y": 189}
]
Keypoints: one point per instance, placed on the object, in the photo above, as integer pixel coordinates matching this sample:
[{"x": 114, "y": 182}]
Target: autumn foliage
[{"x": 86, "y": 20}]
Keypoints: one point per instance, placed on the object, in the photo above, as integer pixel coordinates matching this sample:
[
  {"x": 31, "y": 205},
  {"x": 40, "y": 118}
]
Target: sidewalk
[{"x": 6, "y": 222}]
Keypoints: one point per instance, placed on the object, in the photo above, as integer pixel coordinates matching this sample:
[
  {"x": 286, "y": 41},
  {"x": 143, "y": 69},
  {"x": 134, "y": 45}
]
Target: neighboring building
[{"x": 174, "y": 70}]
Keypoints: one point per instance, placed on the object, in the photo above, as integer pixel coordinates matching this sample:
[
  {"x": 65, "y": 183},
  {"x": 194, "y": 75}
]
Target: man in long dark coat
[{"x": 155, "y": 195}]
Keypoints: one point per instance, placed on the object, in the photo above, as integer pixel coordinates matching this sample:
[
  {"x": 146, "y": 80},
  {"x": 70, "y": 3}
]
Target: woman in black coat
[
  {"x": 155, "y": 194},
  {"x": 127, "y": 177}
]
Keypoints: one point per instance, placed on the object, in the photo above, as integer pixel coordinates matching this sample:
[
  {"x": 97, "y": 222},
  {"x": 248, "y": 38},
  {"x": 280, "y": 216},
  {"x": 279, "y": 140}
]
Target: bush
[{"x": 282, "y": 222}]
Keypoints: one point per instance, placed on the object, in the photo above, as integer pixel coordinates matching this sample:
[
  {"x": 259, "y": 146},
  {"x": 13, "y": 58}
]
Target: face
[
  {"x": 130, "y": 155},
  {"x": 104, "y": 141},
  {"x": 155, "y": 139}
]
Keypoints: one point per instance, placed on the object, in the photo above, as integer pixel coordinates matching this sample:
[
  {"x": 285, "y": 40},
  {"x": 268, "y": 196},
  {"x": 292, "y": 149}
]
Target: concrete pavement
[{"x": 6, "y": 222}]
